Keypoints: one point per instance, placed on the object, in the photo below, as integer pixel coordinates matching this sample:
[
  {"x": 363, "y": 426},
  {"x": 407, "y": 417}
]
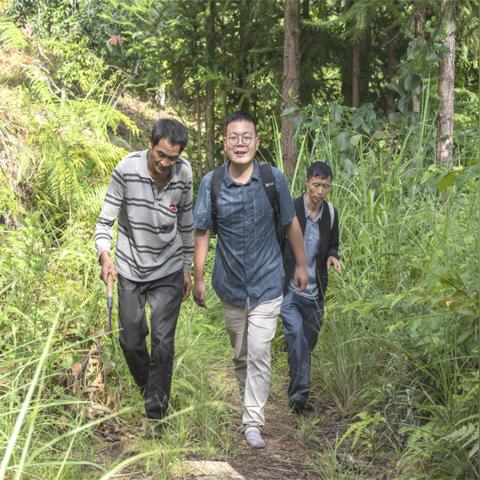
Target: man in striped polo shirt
[{"x": 150, "y": 193}]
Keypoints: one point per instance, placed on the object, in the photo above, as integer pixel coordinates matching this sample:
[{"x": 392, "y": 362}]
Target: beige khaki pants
[{"x": 251, "y": 333}]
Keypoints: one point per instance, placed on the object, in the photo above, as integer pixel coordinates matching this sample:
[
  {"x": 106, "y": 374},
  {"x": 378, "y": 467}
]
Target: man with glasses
[
  {"x": 151, "y": 194},
  {"x": 248, "y": 273},
  {"x": 302, "y": 311}
]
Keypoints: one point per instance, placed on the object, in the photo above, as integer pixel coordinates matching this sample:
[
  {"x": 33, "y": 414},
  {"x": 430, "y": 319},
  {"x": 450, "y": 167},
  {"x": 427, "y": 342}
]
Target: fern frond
[
  {"x": 101, "y": 117},
  {"x": 11, "y": 37},
  {"x": 39, "y": 85},
  {"x": 103, "y": 156},
  {"x": 467, "y": 435}
]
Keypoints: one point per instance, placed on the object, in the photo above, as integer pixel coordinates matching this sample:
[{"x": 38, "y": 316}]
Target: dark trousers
[
  {"x": 152, "y": 372},
  {"x": 302, "y": 319}
]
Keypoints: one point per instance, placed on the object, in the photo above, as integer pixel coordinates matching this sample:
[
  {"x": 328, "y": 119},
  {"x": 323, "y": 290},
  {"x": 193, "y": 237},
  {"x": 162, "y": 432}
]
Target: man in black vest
[{"x": 302, "y": 311}]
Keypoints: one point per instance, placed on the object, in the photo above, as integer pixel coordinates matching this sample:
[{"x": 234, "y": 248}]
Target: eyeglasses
[{"x": 235, "y": 139}]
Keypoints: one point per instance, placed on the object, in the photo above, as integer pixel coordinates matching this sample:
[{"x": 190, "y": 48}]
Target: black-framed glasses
[{"x": 235, "y": 139}]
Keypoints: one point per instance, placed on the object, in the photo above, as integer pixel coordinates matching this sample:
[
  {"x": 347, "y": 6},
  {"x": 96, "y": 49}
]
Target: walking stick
[{"x": 108, "y": 327}]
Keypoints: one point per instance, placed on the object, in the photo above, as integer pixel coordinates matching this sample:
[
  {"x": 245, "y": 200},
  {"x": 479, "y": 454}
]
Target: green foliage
[
  {"x": 399, "y": 348},
  {"x": 77, "y": 71},
  {"x": 159, "y": 49},
  {"x": 364, "y": 427},
  {"x": 11, "y": 36}
]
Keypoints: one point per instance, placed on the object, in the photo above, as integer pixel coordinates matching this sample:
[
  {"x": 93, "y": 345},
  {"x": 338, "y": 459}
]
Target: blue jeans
[{"x": 302, "y": 319}]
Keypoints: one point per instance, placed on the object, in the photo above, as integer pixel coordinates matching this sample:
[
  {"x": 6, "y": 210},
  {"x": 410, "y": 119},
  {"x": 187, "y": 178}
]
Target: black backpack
[{"x": 268, "y": 182}]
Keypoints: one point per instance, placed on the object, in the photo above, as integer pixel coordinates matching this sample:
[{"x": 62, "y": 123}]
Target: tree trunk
[
  {"x": 356, "y": 74},
  {"x": 391, "y": 68},
  {"x": 419, "y": 31},
  {"x": 210, "y": 88},
  {"x": 244, "y": 47},
  {"x": 198, "y": 117},
  {"x": 291, "y": 82},
  {"x": 306, "y": 9},
  {"x": 359, "y": 78},
  {"x": 307, "y": 39},
  {"x": 347, "y": 78},
  {"x": 198, "y": 105},
  {"x": 446, "y": 81}
]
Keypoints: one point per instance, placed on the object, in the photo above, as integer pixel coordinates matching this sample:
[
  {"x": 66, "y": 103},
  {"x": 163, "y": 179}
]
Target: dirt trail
[
  {"x": 294, "y": 449},
  {"x": 287, "y": 455}
]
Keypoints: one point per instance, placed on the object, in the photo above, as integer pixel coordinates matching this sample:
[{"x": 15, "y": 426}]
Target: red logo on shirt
[{"x": 173, "y": 208}]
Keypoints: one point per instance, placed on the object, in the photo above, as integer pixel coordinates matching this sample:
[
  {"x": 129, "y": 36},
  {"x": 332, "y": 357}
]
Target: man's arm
[
  {"x": 295, "y": 237},
  {"x": 333, "y": 259},
  {"x": 185, "y": 227},
  {"x": 104, "y": 228},
  {"x": 202, "y": 238},
  {"x": 202, "y": 222}
]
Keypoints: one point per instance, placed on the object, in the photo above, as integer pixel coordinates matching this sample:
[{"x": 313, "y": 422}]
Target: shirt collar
[
  {"x": 255, "y": 175},
  {"x": 143, "y": 167}
]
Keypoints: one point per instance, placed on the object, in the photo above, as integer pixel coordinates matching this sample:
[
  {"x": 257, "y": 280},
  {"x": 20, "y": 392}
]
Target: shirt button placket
[{"x": 249, "y": 232}]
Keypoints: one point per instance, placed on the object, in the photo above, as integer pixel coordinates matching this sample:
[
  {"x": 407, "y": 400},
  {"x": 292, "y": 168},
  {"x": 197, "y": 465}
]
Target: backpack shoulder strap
[
  {"x": 332, "y": 213},
  {"x": 216, "y": 185},
  {"x": 268, "y": 182}
]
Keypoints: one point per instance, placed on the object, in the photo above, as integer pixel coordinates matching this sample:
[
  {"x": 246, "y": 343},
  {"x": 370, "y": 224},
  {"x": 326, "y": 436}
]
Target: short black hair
[
  {"x": 319, "y": 169},
  {"x": 236, "y": 116},
  {"x": 170, "y": 129}
]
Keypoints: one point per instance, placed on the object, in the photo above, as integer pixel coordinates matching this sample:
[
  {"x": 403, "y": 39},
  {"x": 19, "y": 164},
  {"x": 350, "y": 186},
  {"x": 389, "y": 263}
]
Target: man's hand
[
  {"x": 301, "y": 278},
  {"x": 108, "y": 267},
  {"x": 187, "y": 285},
  {"x": 335, "y": 263},
  {"x": 199, "y": 291}
]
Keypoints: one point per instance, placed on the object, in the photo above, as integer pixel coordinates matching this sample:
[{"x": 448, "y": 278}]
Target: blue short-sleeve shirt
[{"x": 248, "y": 262}]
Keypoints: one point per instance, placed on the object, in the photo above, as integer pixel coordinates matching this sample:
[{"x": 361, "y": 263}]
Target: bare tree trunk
[
  {"x": 360, "y": 76},
  {"x": 419, "y": 31},
  {"x": 306, "y": 9},
  {"x": 347, "y": 80},
  {"x": 307, "y": 39},
  {"x": 291, "y": 81},
  {"x": 198, "y": 116},
  {"x": 210, "y": 88},
  {"x": 391, "y": 68},
  {"x": 244, "y": 47},
  {"x": 356, "y": 74},
  {"x": 198, "y": 107},
  {"x": 446, "y": 82}
]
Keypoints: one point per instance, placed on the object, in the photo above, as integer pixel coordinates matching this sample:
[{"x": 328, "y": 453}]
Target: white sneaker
[{"x": 254, "y": 437}]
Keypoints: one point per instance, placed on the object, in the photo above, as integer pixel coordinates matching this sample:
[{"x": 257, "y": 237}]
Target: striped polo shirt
[{"x": 155, "y": 228}]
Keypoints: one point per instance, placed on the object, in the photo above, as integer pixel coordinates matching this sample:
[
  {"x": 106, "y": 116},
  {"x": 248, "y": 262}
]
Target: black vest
[{"x": 329, "y": 240}]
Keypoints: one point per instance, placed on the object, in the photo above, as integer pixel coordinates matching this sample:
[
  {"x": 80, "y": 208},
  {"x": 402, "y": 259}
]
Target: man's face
[
  {"x": 318, "y": 188},
  {"x": 241, "y": 142},
  {"x": 163, "y": 157}
]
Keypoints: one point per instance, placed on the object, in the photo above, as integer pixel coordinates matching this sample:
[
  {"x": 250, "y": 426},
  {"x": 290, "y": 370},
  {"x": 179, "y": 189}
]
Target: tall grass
[
  {"x": 401, "y": 333},
  {"x": 63, "y": 386},
  {"x": 49, "y": 413}
]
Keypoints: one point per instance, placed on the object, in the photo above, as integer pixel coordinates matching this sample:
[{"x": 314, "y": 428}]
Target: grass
[{"x": 49, "y": 415}]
